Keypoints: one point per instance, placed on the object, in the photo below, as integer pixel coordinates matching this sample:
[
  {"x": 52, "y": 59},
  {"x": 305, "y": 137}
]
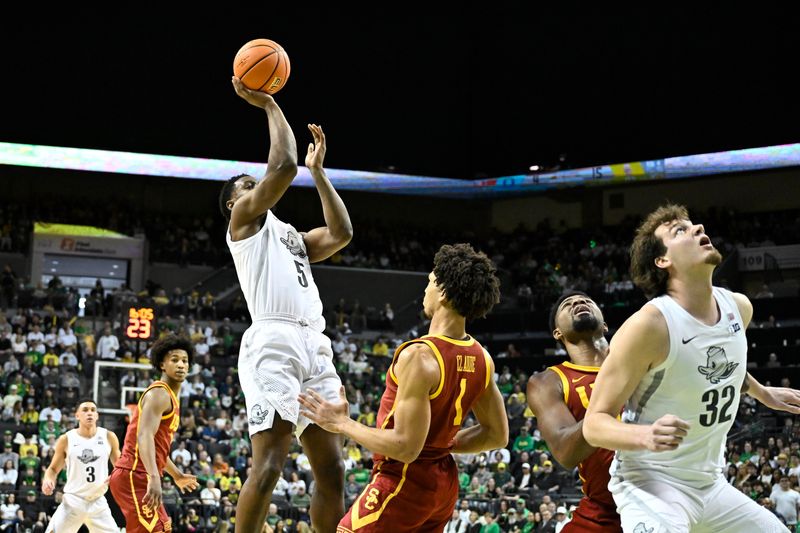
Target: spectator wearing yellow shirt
[
  {"x": 50, "y": 359},
  {"x": 30, "y": 415},
  {"x": 230, "y": 479},
  {"x": 380, "y": 348},
  {"x": 353, "y": 451},
  {"x": 28, "y": 445},
  {"x": 367, "y": 416}
]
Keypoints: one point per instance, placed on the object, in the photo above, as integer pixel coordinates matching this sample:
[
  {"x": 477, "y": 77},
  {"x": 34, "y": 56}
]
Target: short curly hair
[
  {"x": 166, "y": 344},
  {"x": 225, "y": 195},
  {"x": 647, "y": 247},
  {"x": 467, "y": 279}
]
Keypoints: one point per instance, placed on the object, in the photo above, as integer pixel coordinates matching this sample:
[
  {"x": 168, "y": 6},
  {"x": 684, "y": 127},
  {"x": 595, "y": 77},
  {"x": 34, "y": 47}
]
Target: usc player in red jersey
[
  {"x": 432, "y": 385},
  {"x": 559, "y": 397},
  {"x": 136, "y": 479}
]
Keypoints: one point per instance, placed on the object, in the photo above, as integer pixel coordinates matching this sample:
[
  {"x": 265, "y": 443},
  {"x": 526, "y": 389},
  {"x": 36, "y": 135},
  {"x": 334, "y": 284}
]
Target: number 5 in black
[{"x": 301, "y": 279}]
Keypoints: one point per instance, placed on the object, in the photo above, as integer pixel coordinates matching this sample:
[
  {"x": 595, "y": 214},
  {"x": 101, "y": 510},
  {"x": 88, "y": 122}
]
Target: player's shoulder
[
  {"x": 544, "y": 383},
  {"x": 418, "y": 356}
]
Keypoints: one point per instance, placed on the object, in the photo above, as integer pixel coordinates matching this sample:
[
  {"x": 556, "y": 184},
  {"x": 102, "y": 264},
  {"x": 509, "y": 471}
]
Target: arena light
[{"x": 751, "y": 159}]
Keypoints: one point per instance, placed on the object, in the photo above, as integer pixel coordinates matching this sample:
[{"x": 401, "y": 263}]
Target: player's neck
[
  {"x": 588, "y": 352},
  {"x": 448, "y": 323},
  {"x": 695, "y": 295},
  {"x": 174, "y": 385},
  {"x": 87, "y": 432}
]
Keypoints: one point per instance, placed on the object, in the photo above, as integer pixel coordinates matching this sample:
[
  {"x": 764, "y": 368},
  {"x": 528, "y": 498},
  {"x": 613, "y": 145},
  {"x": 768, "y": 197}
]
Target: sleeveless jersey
[
  {"x": 275, "y": 274},
  {"x": 87, "y": 464},
  {"x": 130, "y": 458},
  {"x": 700, "y": 381},
  {"x": 466, "y": 371},
  {"x": 578, "y": 382}
]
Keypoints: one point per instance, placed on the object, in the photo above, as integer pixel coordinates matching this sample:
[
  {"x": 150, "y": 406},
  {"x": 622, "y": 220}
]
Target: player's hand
[
  {"x": 329, "y": 416},
  {"x": 152, "y": 498},
  {"x": 187, "y": 483},
  {"x": 666, "y": 433},
  {"x": 317, "y": 149},
  {"x": 47, "y": 486},
  {"x": 256, "y": 98},
  {"x": 781, "y": 399}
]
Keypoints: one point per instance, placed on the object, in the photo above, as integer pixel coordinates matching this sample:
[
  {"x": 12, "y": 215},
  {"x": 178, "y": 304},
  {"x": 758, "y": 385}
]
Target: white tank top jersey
[
  {"x": 700, "y": 382},
  {"x": 275, "y": 274},
  {"x": 87, "y": 464}
]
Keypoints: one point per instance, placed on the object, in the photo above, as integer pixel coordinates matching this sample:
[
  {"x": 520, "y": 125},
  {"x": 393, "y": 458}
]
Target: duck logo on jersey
[
  {"x": 294, "y": 244},
  {"x": 258, "y": 415},
  {"x": 717, "y": 366},
  {"x": 642, "y": 528},
  {"x": 88, "y": 456}
]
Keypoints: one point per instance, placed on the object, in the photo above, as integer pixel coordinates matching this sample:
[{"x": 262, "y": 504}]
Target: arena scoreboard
[{"x": 141, "y": 323}]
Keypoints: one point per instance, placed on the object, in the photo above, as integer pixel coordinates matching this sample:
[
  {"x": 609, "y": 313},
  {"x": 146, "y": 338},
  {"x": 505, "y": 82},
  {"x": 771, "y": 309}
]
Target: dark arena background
[{"x": 540, "y": 136}]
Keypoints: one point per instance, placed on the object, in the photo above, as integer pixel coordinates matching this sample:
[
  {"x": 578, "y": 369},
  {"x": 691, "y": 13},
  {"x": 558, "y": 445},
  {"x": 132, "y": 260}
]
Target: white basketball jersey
[
  {"x": 700, "y": 382},
  {"x": 275, "y": 274},
  {"x": 87, "y": 464}
]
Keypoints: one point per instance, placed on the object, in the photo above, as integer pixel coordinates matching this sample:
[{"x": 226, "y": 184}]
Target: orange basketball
[{"x": 262, "y": 65}]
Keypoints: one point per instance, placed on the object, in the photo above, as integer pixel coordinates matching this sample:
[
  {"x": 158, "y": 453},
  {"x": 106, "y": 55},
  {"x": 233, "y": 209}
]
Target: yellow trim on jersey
[
  {"x": 160, "y": 384},
  {"x": 359, "y": 522},
  {"x": 149, "y": 526},
  {"x": 564, "y": 382},
  {"x": 388, "y": 416},
  {"x": 489, "y": 368},
  {"x": 457, "y": 342},
  {"x": 580, "y": 367},
  {"x": 440, "y": 360}
]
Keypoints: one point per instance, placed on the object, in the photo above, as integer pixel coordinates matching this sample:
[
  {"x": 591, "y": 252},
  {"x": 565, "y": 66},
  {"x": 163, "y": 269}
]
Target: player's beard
[
  {"x": 714, "y": 258},
  {"x": 585, "y": 322}
]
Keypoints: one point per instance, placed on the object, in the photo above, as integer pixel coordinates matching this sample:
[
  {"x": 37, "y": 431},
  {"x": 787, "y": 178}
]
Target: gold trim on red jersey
[
  {"x": 564, "y": 382},
  {"x": 457, "y": 342},
  {"x": 358, "y": 521},
  {"x": 581, "y": 368}
]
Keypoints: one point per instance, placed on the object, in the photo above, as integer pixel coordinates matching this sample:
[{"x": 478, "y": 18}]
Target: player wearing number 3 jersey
[
  {"x": 678, "y": 365},
  {"x": 284, "y": 352},
  {"x": 86, "y": 452},
  {"x": 432, "y": 385}
]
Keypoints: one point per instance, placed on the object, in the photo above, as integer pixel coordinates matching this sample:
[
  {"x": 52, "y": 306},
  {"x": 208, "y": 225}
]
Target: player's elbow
[
  {"x": 591, "y": 431},
  {"x": 498, "y": 434},
  {"x": 285, "y": 168},
  {"x": 408, "y": 451}
]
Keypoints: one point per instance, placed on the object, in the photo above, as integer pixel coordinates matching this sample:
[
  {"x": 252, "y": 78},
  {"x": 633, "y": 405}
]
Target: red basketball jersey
[
  {"x": 466, "y": 371},
  {"x": 129, "y": 457},
  {"x": 578, "y": 382}
]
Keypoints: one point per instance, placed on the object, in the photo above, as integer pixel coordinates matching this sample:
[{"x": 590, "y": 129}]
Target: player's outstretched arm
[
  {"x": 56, "y": 465},
  {"x": 323, "y": 242},
  {"x": 641, "y": 343},
  {"x": 491, "y": 431},
  {"x": 281, "y": 164},
  {"x": 417, "y": 374},
  {"x": 562, "y": 433}
]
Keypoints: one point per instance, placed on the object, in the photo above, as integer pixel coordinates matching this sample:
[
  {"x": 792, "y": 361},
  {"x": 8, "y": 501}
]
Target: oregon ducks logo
[
  {"x": 88, "y": 456},
  {"x": 294, "y": 244},
  {"x": 717, "y": 366},
  {"x": 258, "y": 415}
]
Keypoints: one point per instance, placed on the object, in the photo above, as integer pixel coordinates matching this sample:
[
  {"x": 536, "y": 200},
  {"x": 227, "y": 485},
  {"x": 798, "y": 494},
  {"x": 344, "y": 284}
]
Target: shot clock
[{"x": 141, "y": 323}]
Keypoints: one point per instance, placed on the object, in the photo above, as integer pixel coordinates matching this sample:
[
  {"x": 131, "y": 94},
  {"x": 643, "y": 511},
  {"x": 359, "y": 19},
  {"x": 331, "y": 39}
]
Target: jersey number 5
[{"x": 301, "y": 279}]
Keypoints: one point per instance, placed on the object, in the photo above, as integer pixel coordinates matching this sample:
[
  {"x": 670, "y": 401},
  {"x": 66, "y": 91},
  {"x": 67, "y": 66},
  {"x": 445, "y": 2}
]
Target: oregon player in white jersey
[
  {"x": 86, "y": 452},
  {"x": 678, "y": 366},
  {"x": 284, "y": 352}
]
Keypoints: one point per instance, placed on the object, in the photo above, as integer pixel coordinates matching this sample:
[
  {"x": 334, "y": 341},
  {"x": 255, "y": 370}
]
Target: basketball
[{"x": 262, "y": 65}]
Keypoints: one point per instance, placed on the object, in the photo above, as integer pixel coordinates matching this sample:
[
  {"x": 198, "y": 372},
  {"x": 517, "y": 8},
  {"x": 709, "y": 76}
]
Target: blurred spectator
[{"x": 107, "y": 345}]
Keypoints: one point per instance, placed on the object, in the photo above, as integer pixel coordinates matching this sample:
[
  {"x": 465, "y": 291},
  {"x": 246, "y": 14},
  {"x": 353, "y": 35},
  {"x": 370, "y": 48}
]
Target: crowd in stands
[
  {"x": 536, "y": 263},
  {"x": 46, "y": 361}
]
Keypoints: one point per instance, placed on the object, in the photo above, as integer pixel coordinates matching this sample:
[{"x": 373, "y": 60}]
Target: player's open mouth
[
  {"x": 705, "y": 241},
  {"x": 580, "y": 309}
]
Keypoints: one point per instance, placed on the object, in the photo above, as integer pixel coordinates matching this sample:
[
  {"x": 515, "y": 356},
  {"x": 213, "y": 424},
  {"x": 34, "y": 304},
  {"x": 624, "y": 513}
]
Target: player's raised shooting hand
[
  {"x": 256, "y": 98},
  {"x": 316, "y": 150},
  {"x": 664, "y": 434},
  {"x": 329, "y": 416}
]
